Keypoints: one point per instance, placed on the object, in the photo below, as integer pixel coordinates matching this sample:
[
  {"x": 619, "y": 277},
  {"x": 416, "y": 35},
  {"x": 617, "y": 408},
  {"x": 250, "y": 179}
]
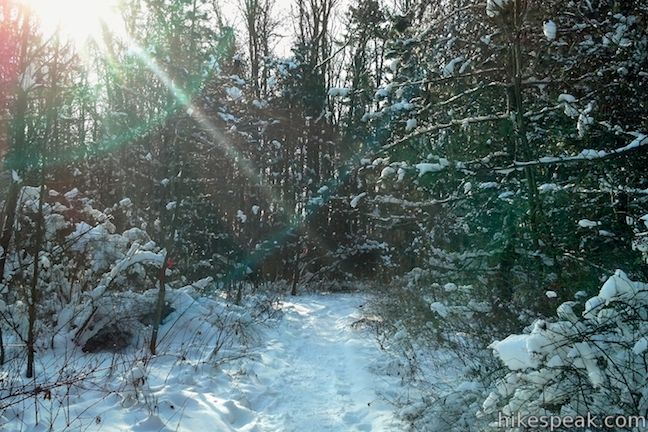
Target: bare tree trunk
[
  {"x": 520, "y": 127},
  {"x": 260, "y": 26},
  {"x": 297, "y": 263},
  {"x": 8, "y": 215},
  {"x": 33, "y": 292},
  {"x": 16, "y": 156},
  {"x": 159, "y": 306},
  {"x": 167, "y": 243},
  {"x": 295, "y": 275},
  {"x": 52, "y": 138},
  {"x": 7, "y": 224}
]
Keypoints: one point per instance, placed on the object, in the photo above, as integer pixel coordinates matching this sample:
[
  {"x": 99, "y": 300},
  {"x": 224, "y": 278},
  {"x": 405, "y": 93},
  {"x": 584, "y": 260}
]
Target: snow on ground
[
  {"x": 179, "y": 389},
  {"x": 310, "y": 371},
  {"x": 318, "y": 373}
]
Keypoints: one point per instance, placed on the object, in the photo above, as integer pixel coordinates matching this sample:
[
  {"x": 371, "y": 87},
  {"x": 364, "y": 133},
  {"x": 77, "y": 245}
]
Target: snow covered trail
[
  {"x": 318, "y": 373},
  {"x": 309, "y": 371}
]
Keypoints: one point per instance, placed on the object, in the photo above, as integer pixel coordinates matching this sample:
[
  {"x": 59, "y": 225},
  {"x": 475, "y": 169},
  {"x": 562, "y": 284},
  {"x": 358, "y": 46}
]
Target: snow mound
[{"x": 181, "y": 388}]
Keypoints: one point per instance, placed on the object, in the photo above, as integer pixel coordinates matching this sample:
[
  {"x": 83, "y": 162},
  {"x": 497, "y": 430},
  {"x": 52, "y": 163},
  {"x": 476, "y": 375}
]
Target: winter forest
[{"x": 323, "y": 215}]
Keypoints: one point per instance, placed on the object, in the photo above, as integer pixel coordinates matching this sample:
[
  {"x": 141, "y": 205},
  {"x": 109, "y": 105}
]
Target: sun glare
[{"x": 79, "y": 20}]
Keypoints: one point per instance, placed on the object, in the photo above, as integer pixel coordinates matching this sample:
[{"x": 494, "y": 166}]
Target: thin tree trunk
[
  {"x": 7, "y": 224},
  {"x": 159, "y": 306},
  {"x": 8, "y": 215},
  {"x": 521, "y": 137},
  {"x": 17, "y": 153},
  {"x": 52, "y": 138},
  {"x": 33, "y": 292},
  {"x": 297, "y": 263},
  {"x": 167, "y": 243},
  {"x": 2, "y": 351}
]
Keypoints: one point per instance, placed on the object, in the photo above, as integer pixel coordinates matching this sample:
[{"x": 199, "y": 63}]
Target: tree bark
[
  {"x": 159, "y": 306},
  {"x": 33, "y": 292},
  {"x": 521, "y": 130},
  {"x": 17, "y": 152}
]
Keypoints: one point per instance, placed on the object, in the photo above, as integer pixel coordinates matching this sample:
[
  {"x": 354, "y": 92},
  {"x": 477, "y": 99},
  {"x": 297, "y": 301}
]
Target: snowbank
[{"x": 179, "y": 389}]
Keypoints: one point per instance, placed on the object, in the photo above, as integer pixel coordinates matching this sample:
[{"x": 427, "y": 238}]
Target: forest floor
[
  {"x": 318, "y": 372},
  {"x": 311, "y": 369}
]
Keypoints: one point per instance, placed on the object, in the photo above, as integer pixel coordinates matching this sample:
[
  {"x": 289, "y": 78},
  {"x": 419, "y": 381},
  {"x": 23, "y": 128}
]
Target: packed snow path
[
  {"x": 310, "y": 371},
  {"x": 318, "y": 373}
]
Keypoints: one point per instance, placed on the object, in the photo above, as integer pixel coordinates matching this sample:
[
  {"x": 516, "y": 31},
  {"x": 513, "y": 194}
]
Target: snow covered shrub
[
  {"x": 640, "y": 241},
  {"x": 81, "y": 244},
  {"x": 448, "y": 409},
  {"x": 459, "y": 316},
  {"x": 198, "y": 334},
  {"x": 436, "y": 330},
  {"x": 589, "y": 362},
  {"x": 365, "y": 257},
  {"x": 82, "y": 257}
]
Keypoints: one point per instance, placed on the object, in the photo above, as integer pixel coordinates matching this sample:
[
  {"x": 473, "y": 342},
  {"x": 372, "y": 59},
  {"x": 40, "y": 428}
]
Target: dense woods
[{"x": 477, "y": 164}]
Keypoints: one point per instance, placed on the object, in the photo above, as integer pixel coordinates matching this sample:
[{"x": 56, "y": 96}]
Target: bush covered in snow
[
  {"x": 438, "y": 332},
  {"x": 83, "y": 261},
  {"x": 128, "y": 388},
  {"x": 592, "y": 359}
]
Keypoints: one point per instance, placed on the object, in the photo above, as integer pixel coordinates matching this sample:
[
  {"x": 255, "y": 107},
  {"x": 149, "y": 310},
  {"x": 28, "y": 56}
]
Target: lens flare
[{"x": 78, "y": 20}]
